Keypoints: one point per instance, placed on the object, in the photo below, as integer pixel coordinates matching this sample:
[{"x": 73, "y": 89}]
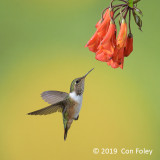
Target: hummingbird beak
[{"x": 87, "y": 73}]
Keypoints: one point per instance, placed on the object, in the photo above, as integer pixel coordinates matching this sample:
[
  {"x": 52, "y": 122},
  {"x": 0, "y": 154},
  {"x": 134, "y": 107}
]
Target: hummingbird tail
[
  {"x": 65, "y": 133},
  {"x": 67, "y": 127}
]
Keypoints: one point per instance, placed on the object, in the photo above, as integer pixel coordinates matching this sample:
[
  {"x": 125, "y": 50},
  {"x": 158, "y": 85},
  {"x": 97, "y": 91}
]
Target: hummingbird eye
[{"x": 77, "y": 81}]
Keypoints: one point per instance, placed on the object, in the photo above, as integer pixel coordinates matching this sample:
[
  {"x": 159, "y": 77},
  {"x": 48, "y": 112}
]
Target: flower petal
[
  {"x": 129, "y": 46},
  {"x": 93, "y": 43},
  {"x": 122, "y": 36}
]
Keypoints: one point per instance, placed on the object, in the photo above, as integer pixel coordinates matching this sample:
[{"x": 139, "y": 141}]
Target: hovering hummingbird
[{"x": 68, "y": 104}]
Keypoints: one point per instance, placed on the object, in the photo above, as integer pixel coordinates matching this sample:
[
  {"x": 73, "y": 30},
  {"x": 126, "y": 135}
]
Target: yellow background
[{"x": 42, "y": 48}]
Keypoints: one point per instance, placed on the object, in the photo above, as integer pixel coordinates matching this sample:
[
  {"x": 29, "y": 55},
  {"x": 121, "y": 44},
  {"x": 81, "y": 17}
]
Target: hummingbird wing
[
  {"x": 53, "y": 97},
  {"x": 57, "y": 107}
]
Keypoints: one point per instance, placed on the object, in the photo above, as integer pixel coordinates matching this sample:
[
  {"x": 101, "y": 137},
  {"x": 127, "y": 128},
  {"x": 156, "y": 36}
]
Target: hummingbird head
[{"x": 77, "y": 84}]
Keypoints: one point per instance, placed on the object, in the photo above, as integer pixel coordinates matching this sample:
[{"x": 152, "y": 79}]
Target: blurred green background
[{"x": 42, "y": 48}]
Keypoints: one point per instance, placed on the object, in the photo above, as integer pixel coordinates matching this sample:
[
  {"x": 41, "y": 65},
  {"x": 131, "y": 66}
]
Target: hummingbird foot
[{"x": 76, "y": 118}]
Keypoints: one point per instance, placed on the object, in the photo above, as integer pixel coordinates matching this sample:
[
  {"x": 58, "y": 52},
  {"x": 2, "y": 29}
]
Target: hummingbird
[{"x": 68, "y": 104}]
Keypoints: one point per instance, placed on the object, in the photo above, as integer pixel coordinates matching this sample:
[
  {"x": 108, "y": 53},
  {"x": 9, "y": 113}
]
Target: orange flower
[
  {"x": 129, "y": 45},
  {"x": 122, "y": 36},
  {"x": 102, "y": 27},
  {"x": 113, "y": 64},
  {"x": 109, "y": 42},
  {"x": 93, "y": 43},
  {"x": 107, "y": 45},
  {"x": 102, "y": 56},
  {"x": 117, "y": 59},
  {"x": 104, "y": 16}
]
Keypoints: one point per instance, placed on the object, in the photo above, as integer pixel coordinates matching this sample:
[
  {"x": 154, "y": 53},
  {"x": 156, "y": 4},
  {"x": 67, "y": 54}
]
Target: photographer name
[
  {"x": 124, "y": 151},
  {"x": 143, "y": 151}
]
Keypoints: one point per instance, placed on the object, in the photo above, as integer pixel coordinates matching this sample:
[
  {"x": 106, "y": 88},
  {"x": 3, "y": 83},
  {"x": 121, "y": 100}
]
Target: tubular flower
[
  {"x": 109, "y": 47},
  {"x": 129, "y": 45},
  {"x": 104, "y": 16},
  {"x": 122, "y": 36},
  {"x": 118, "y": 59},
  {"x": 93, "y": 43},
  {"x": 101, "y": 56},
  {"x": 103, "y": 26}
]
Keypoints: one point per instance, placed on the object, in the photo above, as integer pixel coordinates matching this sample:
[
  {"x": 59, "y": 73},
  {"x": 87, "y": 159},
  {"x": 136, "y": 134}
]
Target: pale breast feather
[{"x": 78, "y": 99}]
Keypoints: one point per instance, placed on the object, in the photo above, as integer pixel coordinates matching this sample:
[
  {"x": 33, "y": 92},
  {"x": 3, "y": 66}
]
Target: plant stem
[
  {"x": 115, "y": 6},
  {"x": 126, "y": 13},
  {"x": 120, "y": 13},
  {"x": 123, "y": 1},
  {"x": 116, "y": 10},
  {"x": 130, "y": 21},
  {"x": 120, "y": 5},
  {"x": 103, "y": 12}
]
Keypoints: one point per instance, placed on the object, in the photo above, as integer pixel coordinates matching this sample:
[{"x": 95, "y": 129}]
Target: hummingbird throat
[
  {"x": 78, "y": 100},
  {"x": 75, "y": 97}
]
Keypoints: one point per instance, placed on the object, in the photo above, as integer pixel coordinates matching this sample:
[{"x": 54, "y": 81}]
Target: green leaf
[
  {"x": 130, "y": 3},
  {"x": 137, "y": 20},
  {"x": 139, "y": 11}
]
